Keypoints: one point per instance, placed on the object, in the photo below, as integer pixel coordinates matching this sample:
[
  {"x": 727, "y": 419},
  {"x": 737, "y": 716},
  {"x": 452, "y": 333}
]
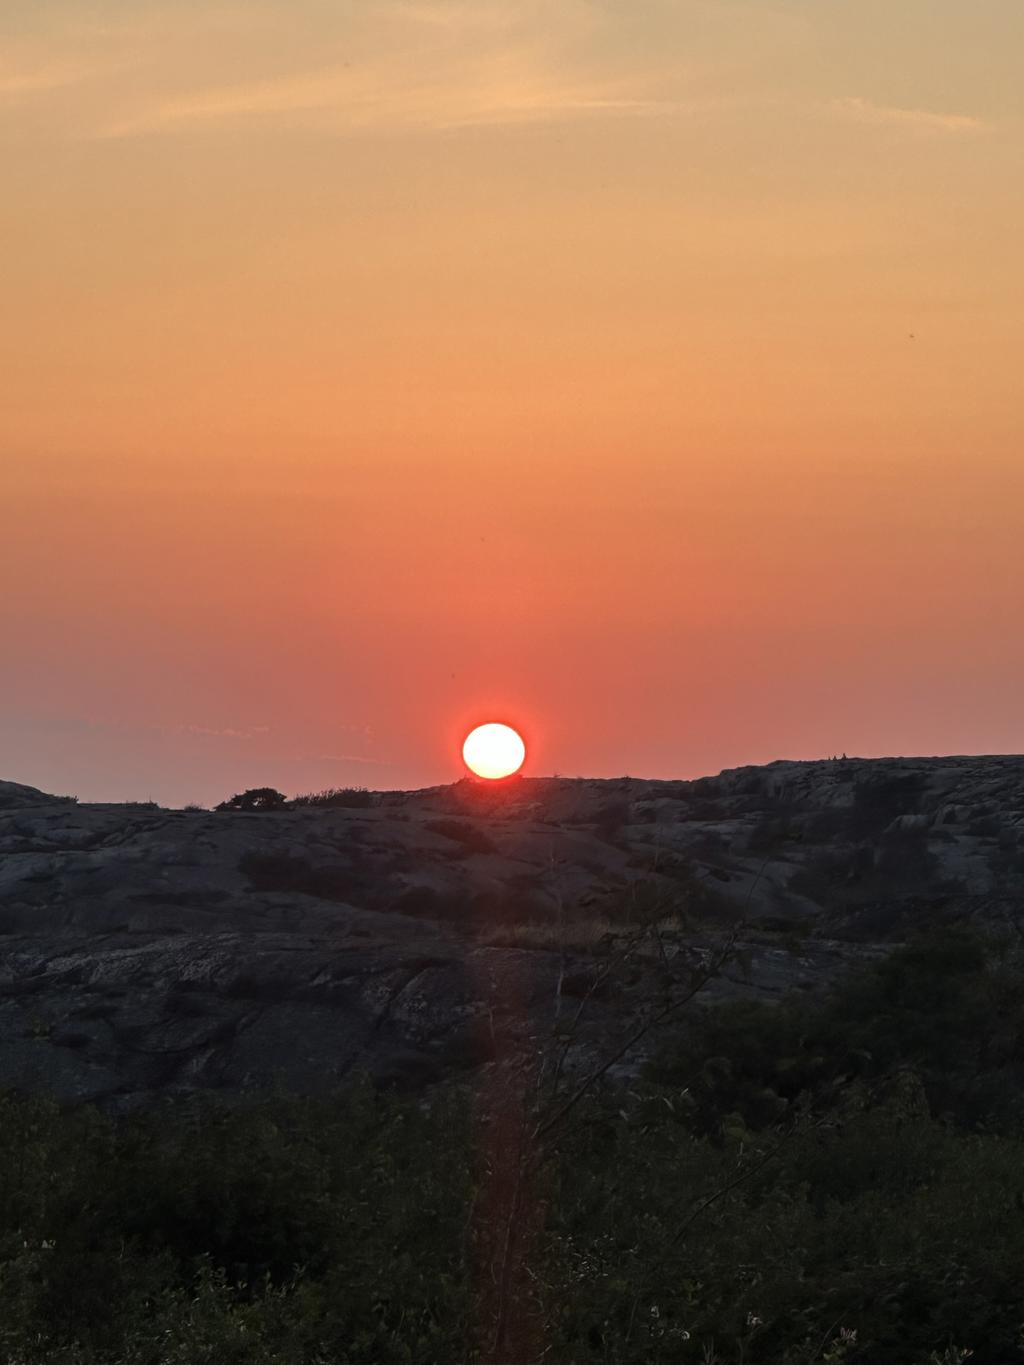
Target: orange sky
[{"x": 648, "y": 374}]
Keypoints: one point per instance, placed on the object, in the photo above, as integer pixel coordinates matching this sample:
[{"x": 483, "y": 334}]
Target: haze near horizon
[{"x": 644, "y": 375}]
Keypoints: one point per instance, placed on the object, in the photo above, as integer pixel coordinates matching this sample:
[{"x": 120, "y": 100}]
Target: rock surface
[{"x": 148, "y": 952}]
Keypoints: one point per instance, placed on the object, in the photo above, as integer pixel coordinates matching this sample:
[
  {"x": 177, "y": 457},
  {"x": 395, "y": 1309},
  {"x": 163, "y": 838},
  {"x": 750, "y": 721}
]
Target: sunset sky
[{"x": 647, "y": 373}]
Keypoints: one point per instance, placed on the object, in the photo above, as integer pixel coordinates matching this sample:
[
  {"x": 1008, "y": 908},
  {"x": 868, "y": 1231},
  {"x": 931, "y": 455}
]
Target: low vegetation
[
  {"x": 270, "y": 799},
  {"x": 469, "y": 838},
  {"x": 255, "y": 799},
  {"x": 349, "y": 798},
  {"x": 826, "y": 1180},
  {"x": 286, "y": 872},
  {"x": 581, "y": 934}
]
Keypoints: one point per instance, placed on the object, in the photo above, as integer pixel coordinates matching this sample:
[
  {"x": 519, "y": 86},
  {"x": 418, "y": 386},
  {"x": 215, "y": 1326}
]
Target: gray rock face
[
  {"x": 13, "y": 796},
  {"x": 148, "y": 952}
]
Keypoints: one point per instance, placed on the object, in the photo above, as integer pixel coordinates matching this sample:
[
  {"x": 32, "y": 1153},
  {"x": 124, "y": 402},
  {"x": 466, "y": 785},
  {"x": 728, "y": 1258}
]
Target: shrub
[
  {"x": 274, "y": 871},
  {"x": 353, "y": 798},
  {"x": 292, "y": 1232},
  {"x": 470, "y": 838},
  {"x": 611, "y": 818},
  {"x": 948, "y": 1005},
  {"x": 281, "y": 1233},
  {"x": 879, "y": 798},
  {"x": 677, "y": 1218},
  {"x": 425, "y": 902},
  {"x": 255, "y": 799}
]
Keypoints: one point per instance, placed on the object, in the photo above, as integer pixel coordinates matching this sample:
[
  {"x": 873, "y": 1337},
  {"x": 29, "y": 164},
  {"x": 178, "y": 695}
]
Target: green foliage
[
  {"x": 822, "y": 1181},
  {"x": 291, "y": 1231},
  {"x": 884, "y": 1223},
  {"x": 950, "y": 1006}
]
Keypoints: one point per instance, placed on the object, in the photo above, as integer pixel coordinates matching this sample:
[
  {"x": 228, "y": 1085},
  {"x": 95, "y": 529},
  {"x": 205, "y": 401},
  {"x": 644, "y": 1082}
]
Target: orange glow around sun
[{"x": 493, "y": 751}]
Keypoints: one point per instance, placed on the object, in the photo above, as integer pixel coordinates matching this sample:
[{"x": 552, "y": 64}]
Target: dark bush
[
  {"x": 838, "y": 1208},
  {"x": 948, "y": 1005},
  {"x": 879, "y": 798},
  {"x": 905, "y": 858},
  {"x": 348, "y": 798},
  {"x": 424, "y": 902},
  {"x": 985, "y": 827},
  {"x": 470, "y": 838},
  {"x": 821, "y": 1180},
  {"x": 255, "y": 799},
  {"x": 611, "y": 818},
  {"x": 274, "y": 871}
]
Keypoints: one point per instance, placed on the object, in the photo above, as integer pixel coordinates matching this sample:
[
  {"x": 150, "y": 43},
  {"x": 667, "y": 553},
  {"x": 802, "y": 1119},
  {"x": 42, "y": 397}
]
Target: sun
[{"x": 493, "y": 751}]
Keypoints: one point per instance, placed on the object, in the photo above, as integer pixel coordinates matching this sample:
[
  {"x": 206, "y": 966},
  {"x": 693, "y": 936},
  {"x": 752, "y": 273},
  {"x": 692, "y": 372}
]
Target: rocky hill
[{"x": 148, "y": 952}]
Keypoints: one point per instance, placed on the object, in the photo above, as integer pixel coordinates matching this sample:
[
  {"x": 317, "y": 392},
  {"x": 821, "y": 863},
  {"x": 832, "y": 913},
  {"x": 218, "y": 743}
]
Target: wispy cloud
[
  {"x": 155, "y": 727},
  {"x": 20, "y": 82},
  {"x": 352, "y": 758},
  {"x": 391, "y": 95},
  {"x": 396, "y": 64},
  {"x": 919, "y": 120},
  {"x": 225, "y": 732}
]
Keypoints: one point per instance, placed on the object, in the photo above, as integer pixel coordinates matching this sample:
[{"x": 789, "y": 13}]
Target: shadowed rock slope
[{"x": 148, "y": 952}]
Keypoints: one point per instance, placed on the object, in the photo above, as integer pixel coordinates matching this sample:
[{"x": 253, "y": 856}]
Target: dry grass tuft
[{"x": 578, "y": 935}]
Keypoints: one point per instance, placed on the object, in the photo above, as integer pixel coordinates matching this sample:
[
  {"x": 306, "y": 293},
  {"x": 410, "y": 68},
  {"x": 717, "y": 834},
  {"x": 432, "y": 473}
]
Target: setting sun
[{"x": 493, "y": 751}]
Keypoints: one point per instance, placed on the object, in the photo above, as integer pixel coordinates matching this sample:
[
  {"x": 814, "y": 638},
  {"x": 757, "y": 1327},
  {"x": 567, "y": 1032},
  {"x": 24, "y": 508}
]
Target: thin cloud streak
[
  {"x": 227, "y": 732},
  {"x": 400, "y": 66},
  {"x": 921, "y": 120},
  {"x": 422, "y": 66},
  {"x": 359, "y": 102},
  {"x": 20, "y": 84},
  {"x": 351, "y": 758}
]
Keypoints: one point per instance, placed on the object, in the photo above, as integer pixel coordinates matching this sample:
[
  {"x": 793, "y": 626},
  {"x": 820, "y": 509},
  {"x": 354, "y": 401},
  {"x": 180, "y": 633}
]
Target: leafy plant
[{"x": 820, "y": 1181}]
